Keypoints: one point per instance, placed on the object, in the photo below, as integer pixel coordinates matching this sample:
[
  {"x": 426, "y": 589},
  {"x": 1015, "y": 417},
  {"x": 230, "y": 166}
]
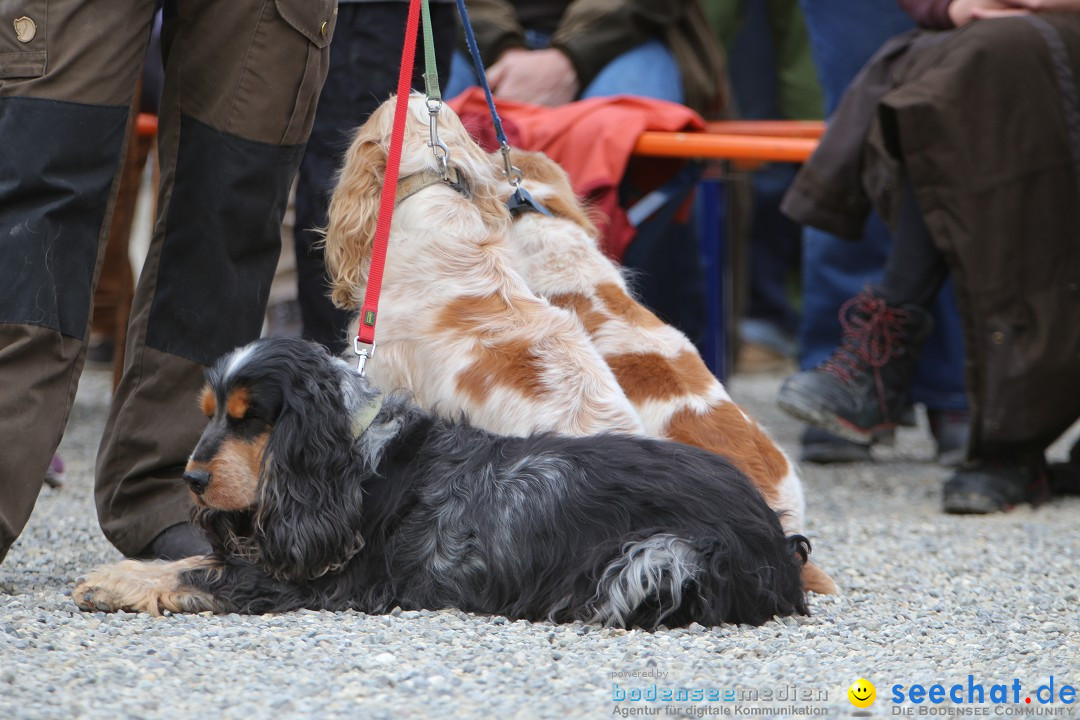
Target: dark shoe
[
  {"x": 101, "y": 353},
  {"x": 951, "y": 430},
  {"x": 822, "y": 447},
  {"x": 176, "y": 542},
  {"x": 754, "y": 359},
  {"x": 860, "y": 393},
  {"x": 994, "y": 487},
  {"x": 765, "y": 347},
  {"x": 1065, "y": 476},
  {"x": 283, "y": 319}
]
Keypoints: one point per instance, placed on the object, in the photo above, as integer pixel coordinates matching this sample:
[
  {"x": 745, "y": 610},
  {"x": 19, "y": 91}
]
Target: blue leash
[{"x": 521, "y": 200}]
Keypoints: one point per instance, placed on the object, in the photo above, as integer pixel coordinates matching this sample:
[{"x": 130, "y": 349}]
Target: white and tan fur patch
[
  {"x": 140, "y": 586},
  {"x": 657, "y": 366},
  {"x": 457, "y": 327}
]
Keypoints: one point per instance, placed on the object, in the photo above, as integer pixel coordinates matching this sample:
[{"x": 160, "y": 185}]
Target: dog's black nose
[{"x": 197, "y": 480}]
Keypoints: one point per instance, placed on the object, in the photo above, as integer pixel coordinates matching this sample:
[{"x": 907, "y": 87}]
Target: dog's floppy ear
[
  {"x": 353, "y": 216},
  {"x": 308, "y": 521}
]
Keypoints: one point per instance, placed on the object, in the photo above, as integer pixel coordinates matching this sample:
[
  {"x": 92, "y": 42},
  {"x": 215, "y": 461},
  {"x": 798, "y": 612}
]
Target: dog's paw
[
  {"x": 94, "y": 593},
  {"x": 817, "y": 580},
  {"x": 136, "y": 586}
]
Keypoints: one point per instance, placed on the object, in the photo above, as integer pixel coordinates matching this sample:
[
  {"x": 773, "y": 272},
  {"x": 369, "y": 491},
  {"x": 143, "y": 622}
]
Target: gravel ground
[{"x": 925, "y": 598}]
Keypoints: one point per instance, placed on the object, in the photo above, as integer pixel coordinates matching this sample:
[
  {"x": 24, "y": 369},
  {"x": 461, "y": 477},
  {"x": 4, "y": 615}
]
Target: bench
[{"x": 742, "y": 145}]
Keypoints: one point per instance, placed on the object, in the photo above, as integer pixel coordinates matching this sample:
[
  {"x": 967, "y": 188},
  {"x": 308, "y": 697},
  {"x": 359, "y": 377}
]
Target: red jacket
[{"x": 592, "y": 139}]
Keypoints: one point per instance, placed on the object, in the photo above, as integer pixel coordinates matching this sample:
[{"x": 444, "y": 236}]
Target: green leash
[
  {"x": 431, "y": 71},
  {"x": 434, "y": 94}
]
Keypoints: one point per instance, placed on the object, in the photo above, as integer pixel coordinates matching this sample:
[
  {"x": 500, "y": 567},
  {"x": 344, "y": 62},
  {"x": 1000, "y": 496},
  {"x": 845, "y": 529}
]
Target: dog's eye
[
  {"x": 251, "y": 422},
  {"x": 244, "y": 419}
]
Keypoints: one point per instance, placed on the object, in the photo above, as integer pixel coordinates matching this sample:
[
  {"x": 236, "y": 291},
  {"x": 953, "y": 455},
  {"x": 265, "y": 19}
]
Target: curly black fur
[{"x": 422, "y": 512}]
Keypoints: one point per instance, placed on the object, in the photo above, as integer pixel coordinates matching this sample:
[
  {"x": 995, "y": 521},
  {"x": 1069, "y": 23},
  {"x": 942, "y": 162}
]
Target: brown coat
[{"x": 985, "y": 120}]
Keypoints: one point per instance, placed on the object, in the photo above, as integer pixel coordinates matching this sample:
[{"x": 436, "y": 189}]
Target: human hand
[
  {"x": 964, "y": 11},
  {"x": 543, "y": 77},
  {"x": 991, "y": 13},
  {"x": 1046, "y": 5}
]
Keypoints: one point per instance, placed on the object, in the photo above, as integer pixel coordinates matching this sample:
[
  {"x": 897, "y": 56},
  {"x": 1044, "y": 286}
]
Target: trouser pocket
[
  {"x": 22, "y": 38},
  {"x": 316, "y": 22}
]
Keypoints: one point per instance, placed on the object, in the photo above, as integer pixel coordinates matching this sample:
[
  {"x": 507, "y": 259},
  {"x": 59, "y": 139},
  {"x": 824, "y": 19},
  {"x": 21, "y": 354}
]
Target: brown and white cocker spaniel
[
  {"x": 457, "y": 326},
  {"x": 657, "y": 366}
]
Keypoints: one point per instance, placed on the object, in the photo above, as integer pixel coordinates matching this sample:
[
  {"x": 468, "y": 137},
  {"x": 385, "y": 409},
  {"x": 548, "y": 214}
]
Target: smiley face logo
[{"x": 862, "y": 693}]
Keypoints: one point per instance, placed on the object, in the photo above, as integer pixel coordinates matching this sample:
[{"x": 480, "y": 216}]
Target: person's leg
[
  {"x": 648, "y": 70},
  {"x": 364, "y": 61},
  {"x": 321, "y": 321},
  {"x": 234, "y": 118},
  {"x": 65, "y": 96},
  {"x": 843, "y": 35},
  {"x": 768, "y": 330},
  {"x": 799, "y": 94},
  {"x": 939, "y": 380},
  {"x": 915, "y": 270},
  {"x": 860, "y": 391},
  {"x": 461, "y": 77},
  {"x": 771, "y": 318},
  {"x": 833, "y": 270},
  {"x": 916, "y": 273}
]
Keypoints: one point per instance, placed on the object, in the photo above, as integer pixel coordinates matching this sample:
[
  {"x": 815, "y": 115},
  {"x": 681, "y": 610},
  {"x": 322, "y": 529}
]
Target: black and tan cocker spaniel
[{"x": 318, "y": 492}]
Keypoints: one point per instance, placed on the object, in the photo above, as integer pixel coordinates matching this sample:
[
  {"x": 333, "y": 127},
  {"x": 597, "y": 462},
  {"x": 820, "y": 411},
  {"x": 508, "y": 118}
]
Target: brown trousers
[
  {"x": 985, "y": 121},
  {"x": 242, "y": 79}
]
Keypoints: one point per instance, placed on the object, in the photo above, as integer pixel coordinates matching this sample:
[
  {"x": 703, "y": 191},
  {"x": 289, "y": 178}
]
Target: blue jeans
[
  {"x": 775, "y": 241},
  {"x": 648, "y": 70},
  {"x": 844, "y": 34}
]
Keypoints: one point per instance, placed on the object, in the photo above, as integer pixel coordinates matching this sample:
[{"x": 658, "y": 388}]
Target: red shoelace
[{"x": 872, "y": 331}]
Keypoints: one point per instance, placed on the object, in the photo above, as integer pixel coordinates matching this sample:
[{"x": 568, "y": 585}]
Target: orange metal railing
[
  {"x": 746, "y": 141},
  {"x": 728, "y": 146},
  {"x": 769, "y": 128}
]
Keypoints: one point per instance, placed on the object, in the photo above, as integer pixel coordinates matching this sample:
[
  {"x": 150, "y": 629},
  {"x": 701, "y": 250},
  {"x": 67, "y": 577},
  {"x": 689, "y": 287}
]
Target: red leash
[{"x": 369, "y": 310}]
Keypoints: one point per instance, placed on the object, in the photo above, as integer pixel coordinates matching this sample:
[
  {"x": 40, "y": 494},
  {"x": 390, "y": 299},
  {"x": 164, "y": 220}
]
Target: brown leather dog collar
[{"x": 412, "y": 184}]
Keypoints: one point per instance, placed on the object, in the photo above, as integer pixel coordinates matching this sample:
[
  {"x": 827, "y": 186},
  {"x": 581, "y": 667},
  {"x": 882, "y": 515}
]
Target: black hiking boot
[
  {"x": 177, "y": 542},
  {"x": 951, "y": 430},
  {"x": 860, "y": 393},
  {"x": 996, "y": 486},
  {"x": 823, "y": 448}
]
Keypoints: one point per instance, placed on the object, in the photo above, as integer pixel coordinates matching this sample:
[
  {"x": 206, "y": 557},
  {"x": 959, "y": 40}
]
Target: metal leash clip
[
  {"x": 513, "y": 174},
  {"x": 438, "y": 147},
  {"x": 364, "y": 352},
  {"x": 521, "y": 200}
]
